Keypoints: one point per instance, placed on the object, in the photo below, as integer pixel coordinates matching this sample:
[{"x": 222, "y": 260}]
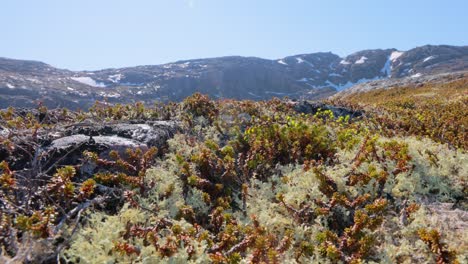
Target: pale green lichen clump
[{"x": 396, "y": 240}]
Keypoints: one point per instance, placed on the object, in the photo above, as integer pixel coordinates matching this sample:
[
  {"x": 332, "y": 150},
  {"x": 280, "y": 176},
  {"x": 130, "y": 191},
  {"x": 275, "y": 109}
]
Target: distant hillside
[{"x": 311, "y": 76}]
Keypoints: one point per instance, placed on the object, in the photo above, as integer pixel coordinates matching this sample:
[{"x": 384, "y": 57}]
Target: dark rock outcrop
[
  {"x": 312, "y": 108},
  {"x": 65, "y": 145},
  {"x": 152, "y": 134}
]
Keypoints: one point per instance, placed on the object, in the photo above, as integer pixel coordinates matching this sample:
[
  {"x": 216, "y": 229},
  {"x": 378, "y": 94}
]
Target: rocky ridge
[{"x": 308, "y": 76}]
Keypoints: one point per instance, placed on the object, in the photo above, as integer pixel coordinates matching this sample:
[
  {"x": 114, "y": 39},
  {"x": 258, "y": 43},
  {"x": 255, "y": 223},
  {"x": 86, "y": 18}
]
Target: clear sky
[{"x": 95, "y": 34}]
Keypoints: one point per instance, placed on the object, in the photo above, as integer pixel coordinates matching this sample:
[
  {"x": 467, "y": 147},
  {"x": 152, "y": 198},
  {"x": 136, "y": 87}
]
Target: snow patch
[
  {"x": 115, "y": 78},
  {"x": 340, "y": 87},
  {"x": 335, "y": 74},
  {"x": 110, "y": 95},
  {"x": 34, "y": 80},
  {"x": 70, "y": 89},
  {"x": 387, "y": 68},
  {"x": 302, "y": 80},
  {"x": 345, "y": 62},
  {"x": 416, "y": 75},
  {"x": 428, "y": 58},
  {"x": 88, "y": 81},
  {"x": 282, "y": 62},
  {"x": 349, "y": 84},
  {"x": 309, "y": 63},
  {"x": 395, "y": 55},
  {"x": 252, "y": 94},
  {"x": 361, "y": 60},
  {"x": 81, "y": 94},
  {"x": 131, "y": 84},
  {"x": 10, "y": 86},
  {"x": 299, "y": 60},
  {"x": 184, "y": 65},
  {"x": 276, "y": 93}
]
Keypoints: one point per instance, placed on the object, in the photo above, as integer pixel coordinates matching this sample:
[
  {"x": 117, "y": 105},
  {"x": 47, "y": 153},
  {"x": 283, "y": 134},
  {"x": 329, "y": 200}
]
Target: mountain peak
[{"x": 312, "y": 76}]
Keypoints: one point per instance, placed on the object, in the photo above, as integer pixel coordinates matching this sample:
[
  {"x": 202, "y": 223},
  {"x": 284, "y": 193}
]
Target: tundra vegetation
[{"x": 249, "y": 182}]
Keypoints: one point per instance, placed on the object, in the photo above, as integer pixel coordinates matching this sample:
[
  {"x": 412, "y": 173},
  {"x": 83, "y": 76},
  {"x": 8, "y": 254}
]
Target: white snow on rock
[
  {"x": 110, "y": 95},
  {"x": 70, "y": 89},
  {"x": 252, "y": 94},
  {"x": 10, "y": 86},
  {"x": 395, "y": 55},
  {"x": 88, "y": 81},
  {"x": 416, "y": 75},
  {"x": 276, "y": 93},
  {"x": 299, "y": 60},
  {"x": 81, "y": 94},
  {"x": 309, "y": 63},
  {"x": 345, "y": 62},
  {"x": 337, "y": 87},
  {"x": 335, "y": 74},
  {"x": 340, "y": 87},
  {"x": 282, "y": 62},
  {"x": 34, "y": 80},
  {"x": 184, "y": 65},
  {"x": 115, "y": 78},
  {"x": 302, "y": 80},
  {"x": 387, "y": 68},
  {"x": 428, "y": 58},
  {"x": 349, "y": 84},
  {"x": 361, "y": 60},
  {"x": 131, "y": 84}
]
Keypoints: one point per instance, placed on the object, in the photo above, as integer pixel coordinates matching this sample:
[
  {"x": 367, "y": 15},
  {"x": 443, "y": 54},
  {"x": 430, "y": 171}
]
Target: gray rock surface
[
  {"x": 402, "y": 82},
  {"x": 65, "y": 145}
]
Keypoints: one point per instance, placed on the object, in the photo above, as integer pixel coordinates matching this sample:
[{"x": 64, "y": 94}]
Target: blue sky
[{"x": 95, "y": 34}]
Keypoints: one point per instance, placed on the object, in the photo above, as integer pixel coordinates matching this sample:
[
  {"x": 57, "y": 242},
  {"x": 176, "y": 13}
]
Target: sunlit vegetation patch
[
  {"x": 252, "y": 182},
  {"x": 438, "y": 111}
]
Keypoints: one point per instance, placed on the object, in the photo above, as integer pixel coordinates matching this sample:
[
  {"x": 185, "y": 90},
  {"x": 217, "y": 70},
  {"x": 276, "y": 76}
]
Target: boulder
[
  {"x": 64, "y": 145},
  {"x": 152, "y": 133},
  {"x": 102, "y": 139}
]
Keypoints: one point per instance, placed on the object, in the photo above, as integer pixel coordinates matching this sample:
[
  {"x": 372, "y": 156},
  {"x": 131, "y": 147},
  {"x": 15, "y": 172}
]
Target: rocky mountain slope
[
  {"x": 311, "y": 76},
  {"x": 411, "y": 81}
]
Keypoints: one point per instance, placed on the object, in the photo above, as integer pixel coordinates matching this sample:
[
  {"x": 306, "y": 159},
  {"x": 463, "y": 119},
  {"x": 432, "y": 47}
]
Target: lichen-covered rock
[
  {"x": 70, "y": 148},
  {"x": 151, "y": 133},
  {"x": 64, "y": 145},
  {"x": 69, "y": 145}
]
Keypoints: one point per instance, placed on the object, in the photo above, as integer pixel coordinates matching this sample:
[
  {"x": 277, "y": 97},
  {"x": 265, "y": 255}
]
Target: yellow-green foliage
[
  {"x": 436, "y": 110},
  {"x": 256, "y": 182},
  {"x": 265, "y": 207}
]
